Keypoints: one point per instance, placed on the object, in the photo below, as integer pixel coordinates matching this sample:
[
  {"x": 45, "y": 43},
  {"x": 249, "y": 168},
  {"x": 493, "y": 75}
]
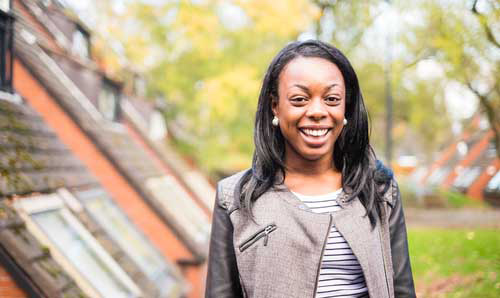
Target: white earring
[
  {"x": 345, "y": 121},
  {"x": 275, "y": 121}
]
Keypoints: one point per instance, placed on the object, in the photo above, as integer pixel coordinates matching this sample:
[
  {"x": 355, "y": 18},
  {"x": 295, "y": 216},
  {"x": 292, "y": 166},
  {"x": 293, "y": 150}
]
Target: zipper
[
  {"x": 255, "y": 237},
  {"x": 321, "y": 257}
]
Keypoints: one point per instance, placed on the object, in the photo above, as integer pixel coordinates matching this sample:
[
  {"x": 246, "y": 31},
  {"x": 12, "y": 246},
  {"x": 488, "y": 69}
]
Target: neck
[{"x": 297, "y": 165}]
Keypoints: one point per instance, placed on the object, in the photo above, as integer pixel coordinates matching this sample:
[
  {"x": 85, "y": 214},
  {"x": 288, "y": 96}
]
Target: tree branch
[
  {"x": 490, "y": 113},
  {"x": 482, "y": 20}
]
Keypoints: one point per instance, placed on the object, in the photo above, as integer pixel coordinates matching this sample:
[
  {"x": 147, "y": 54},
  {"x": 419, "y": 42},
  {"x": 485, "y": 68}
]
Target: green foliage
[
  {"x": 210, "y": 64},
  {"x": 210, "y": 68},
  {"x": 455, "y": 263}
]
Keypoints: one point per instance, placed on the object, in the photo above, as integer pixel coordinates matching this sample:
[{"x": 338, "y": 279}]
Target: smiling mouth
[{"x": 315, "y": 132}]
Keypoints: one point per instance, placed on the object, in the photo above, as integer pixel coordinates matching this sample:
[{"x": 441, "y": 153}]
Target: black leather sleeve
[
  {"x": 222, "y": 276},
  {"x": 403, "y": 278}
]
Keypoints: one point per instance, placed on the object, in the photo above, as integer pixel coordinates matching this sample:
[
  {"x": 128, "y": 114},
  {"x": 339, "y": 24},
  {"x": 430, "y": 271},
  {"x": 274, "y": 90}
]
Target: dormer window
[
  {"x": 157, "y": 126},
  {"x": 81, "y": 43},
  {"x": 140, "y": 86},
  {"x": 109, "y": 100},
  {"x": 6, "y": 41}
]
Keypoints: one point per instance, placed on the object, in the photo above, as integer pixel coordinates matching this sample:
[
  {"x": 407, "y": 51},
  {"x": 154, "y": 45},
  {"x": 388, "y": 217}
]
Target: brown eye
[
  {"x": 332, "y": 100},
  {"x": 298, "y": 99}
]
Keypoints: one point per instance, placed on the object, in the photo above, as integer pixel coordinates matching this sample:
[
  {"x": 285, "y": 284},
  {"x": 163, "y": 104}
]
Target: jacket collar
[{"x": 287, "y": 195}]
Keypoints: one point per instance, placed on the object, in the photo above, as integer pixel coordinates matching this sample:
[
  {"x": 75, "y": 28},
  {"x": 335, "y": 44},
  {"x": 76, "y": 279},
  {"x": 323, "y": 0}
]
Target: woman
[{"x": 317, "y": 215}]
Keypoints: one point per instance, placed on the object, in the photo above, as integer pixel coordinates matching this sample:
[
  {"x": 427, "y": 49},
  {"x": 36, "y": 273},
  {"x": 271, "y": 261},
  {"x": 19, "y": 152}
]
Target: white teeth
[{"x": 316, "y": 132}]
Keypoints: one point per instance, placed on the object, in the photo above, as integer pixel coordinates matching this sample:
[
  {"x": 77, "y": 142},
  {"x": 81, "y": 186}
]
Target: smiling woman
[{"x": 317, "y": 215}]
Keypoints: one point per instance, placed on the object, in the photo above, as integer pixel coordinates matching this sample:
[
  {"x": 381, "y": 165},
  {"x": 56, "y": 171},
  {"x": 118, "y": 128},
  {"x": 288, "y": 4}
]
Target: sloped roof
[
  {"x": 32, "y": 159},
  {"x": 113, "y": 141},
  {"x": 28, "y": 148},
  {"x": 191, "y": 177}
]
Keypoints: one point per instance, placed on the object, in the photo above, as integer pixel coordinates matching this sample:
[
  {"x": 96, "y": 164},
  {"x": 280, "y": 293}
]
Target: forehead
[{"x": 310, "y": 71}]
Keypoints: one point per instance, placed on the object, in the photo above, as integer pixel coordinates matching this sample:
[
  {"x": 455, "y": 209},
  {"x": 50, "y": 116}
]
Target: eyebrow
[{"x": 307, "y": 89}]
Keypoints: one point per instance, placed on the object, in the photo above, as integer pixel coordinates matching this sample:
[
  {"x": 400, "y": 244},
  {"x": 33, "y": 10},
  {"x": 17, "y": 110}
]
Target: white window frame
[
  {"x": 167, "y": 185},
  {"x": 494, "y": 178},
  {"x": 79, "y": 40},
  {"x": 50, "y": 202},
  {"x": 464, "y": 179},
  {"x": 96, "y": 194}
]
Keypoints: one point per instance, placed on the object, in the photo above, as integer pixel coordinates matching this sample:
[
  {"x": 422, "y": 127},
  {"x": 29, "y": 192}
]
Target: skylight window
[
  {"x": 134, "y": 243},
  {"x": 81, "y": 44},
  {"x": 180, "y": 206},
  {"x": 77, "y": 251},
  {"x": 494, "y": 184}
]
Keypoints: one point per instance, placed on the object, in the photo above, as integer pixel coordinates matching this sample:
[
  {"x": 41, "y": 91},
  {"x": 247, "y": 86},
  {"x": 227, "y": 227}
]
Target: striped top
[{"x": 340, "y": 275}]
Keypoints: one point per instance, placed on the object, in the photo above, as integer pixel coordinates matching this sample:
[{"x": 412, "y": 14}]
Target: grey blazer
[{"x": 279, "y": 254}]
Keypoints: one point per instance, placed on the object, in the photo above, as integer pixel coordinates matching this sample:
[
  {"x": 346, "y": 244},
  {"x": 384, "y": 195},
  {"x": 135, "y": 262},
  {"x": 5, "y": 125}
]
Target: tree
[{"x": 460, "y": 37}]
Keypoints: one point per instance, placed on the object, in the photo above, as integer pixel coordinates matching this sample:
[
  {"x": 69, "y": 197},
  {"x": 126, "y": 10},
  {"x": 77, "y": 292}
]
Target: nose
[{"x": 316, "y": 109}]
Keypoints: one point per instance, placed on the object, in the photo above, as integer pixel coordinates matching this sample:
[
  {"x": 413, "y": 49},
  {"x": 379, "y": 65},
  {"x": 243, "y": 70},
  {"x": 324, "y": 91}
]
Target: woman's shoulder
[
  {"x": 387, "y": 185},
  {"x": 226, "y": 189}
]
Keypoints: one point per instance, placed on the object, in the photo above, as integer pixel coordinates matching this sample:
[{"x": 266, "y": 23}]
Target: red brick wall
[
  {"x": 476, "y": 189},
  {"x": 8, "y": 287},
  {"x": 124, "y": 194},
  {"x": 447, "y": 154}
]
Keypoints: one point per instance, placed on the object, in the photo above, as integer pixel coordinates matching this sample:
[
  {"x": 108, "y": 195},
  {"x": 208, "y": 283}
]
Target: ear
[{"x": 274, "y": 105}]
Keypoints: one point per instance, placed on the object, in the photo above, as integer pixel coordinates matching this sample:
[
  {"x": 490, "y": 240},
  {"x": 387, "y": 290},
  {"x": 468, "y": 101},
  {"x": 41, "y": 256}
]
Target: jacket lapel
[{"x": 353, "y": 223}]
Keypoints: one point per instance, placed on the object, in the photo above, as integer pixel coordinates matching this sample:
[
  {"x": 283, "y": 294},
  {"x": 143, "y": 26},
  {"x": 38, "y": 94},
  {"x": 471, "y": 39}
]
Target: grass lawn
[{"x": 456, "y": 263}]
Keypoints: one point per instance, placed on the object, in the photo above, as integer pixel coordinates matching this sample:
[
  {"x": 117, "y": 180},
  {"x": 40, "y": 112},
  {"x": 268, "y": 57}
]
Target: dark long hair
[{"x": 362, "y": 176}]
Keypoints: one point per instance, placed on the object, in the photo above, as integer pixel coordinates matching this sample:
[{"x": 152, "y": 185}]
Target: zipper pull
[{"x": 267, "y": 231}]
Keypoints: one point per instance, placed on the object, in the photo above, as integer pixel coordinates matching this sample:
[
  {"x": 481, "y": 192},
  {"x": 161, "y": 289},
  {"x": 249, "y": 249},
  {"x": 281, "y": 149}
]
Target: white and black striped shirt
[{"x": 340, "y": 275}]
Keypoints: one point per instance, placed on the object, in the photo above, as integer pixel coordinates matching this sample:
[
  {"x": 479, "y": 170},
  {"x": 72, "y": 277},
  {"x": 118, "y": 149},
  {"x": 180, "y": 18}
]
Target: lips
[{"x": 315, "y": 137}]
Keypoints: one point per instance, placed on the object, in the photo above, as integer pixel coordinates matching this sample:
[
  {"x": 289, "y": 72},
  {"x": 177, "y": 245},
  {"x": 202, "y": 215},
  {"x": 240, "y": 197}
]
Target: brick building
[{"x": 145, "y": 190}]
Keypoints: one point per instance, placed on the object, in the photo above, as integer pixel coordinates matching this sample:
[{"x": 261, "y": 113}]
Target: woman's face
[{"x": 310, "y": 108}]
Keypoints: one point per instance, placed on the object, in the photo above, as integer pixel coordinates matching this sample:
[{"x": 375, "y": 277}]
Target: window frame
[
  {"x": 167, "y": 184},
  {"x": 55, "y": 202},
  {"x": 87, "y": 196},
  {"x": 109, "y": 87},
  {"x": 494, "y": 178},
  {"x": 464, "y": 179},
  {"x": 86, "y": 37}
]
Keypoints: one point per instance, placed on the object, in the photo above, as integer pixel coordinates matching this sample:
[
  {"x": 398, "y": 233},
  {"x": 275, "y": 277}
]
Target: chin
[{"x": 315, "y": 156}]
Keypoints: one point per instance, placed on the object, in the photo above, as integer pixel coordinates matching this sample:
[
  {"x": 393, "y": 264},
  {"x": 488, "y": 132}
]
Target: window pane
[
  {"x": 467, "y": 177},
  {"x": 137, "y": 247},
  {"x": 80, "y": 254},
  {"x": 80, "y": 45},
  {"x": 181, "y": 207},
  {"x": 494, "y": 184},
  {"x": 108, "y": 101}
]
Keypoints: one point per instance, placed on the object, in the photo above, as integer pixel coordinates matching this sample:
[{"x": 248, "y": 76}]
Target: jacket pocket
[{"x": 263, "y": 233}]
